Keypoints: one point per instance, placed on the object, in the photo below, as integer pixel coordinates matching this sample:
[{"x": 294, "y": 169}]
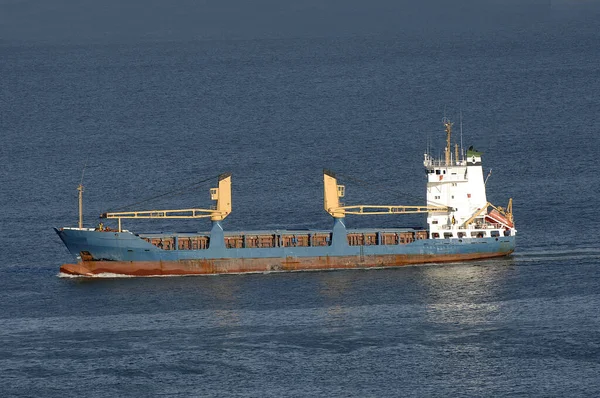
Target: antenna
[{"x": 462, "y": 152}]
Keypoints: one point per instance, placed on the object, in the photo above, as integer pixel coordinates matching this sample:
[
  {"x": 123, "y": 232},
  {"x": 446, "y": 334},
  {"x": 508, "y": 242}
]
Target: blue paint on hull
[{"x": 126, "y": 246}]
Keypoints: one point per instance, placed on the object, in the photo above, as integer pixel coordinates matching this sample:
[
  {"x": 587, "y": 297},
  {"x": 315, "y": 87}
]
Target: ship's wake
[
  {"x": 558, "y": 254},
  {"x": 101, "y": 275}
]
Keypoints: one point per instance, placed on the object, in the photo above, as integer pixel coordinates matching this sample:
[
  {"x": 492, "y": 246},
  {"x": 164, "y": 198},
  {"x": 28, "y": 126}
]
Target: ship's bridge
[
  {"x": 455, "y": 181},
  {"x": 456, "y": 184}
]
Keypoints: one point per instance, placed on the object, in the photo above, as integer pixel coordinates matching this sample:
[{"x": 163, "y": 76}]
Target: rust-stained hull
[
  {"x": 258, "y": 265},
  {"x": 460, "y": 229}
]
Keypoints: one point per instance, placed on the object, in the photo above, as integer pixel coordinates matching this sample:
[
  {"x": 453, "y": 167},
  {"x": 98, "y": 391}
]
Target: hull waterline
[{"x": 241, "y": 266}]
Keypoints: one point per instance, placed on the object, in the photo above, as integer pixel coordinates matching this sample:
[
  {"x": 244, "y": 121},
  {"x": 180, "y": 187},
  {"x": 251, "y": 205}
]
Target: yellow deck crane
[
  {"x": 221, "y": 194},
  {"x": 332, "y": 192}
]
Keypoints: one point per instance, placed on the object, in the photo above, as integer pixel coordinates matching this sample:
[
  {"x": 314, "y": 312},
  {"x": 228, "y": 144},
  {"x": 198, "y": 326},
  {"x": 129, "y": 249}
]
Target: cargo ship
[{"x": 462, "y": 225}]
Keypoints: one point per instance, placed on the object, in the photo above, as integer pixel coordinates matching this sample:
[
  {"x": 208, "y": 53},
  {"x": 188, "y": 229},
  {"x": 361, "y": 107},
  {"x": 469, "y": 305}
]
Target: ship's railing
[
  {"x": 473, "y": 226},
  {"x": 78, "y": 229},
  {"x": 442, "y": 163}
]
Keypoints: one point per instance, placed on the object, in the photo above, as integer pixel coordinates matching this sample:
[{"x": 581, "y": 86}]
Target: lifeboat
[{"x": 495, "y": 217}]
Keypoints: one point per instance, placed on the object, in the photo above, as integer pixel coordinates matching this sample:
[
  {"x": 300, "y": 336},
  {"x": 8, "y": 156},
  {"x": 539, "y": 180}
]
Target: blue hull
[{"x": 132, "y": 254}]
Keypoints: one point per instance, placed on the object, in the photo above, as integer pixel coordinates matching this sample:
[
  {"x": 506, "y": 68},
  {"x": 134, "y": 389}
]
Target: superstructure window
[
  {"x": 435, "y": 235},
  {"x": 447, "y": 235},
  {"x": 437, "y": 171},
  {"x": 495, "y": 234}
]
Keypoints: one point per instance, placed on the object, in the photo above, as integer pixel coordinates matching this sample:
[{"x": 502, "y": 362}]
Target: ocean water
[{"x": 139, "y": 117}]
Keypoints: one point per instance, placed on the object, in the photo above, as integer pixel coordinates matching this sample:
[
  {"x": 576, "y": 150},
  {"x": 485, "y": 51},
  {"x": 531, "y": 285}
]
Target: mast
[
  {"x": 448, "y": 149},
  {"x": 80, "y": 193}
]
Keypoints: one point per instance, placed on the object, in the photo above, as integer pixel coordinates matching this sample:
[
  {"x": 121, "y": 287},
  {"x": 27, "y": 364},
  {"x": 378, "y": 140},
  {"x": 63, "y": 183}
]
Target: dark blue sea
[{"x": 140, "y": 99}]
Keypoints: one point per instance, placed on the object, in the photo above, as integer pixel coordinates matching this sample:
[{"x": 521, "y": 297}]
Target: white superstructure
[{"x": 457, "y": 181}]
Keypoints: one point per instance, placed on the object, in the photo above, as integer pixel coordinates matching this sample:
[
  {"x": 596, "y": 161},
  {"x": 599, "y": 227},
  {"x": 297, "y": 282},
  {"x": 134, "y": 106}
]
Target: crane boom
[
  {"x": 384, "y": 209},
  {"x": 504, "y": 212},
  {"x": 332, "y": 192},
  {"x": 477, "y": 213},
  {"x": 222, "y": 195},
  {"x": 177, "y": 213}
]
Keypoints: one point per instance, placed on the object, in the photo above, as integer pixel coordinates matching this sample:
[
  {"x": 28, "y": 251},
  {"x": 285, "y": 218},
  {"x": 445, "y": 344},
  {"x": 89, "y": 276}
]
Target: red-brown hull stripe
[{"x": 249, "y": 265}]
